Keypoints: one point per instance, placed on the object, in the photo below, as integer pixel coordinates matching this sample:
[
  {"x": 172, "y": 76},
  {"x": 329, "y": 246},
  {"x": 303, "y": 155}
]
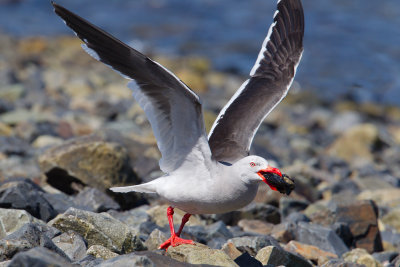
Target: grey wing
[
  {"x": 270, "y": 79},
  {"x": 174, "y": 111}
]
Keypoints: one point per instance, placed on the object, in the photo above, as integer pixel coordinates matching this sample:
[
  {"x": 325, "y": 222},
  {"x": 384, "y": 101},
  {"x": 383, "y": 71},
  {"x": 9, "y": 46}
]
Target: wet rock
[
  {"x": 99, "y": 251},
  {"x": 38, "y": 257},
  {"x": 29, "y": 236},
  {"x": 155, "y": 239},
  {"x": 88, "y": 160},
  {"x": 145, "y": 259},
  {"x": 73, "y": 245},
  {"x": 319, "y": 236},
  {"x": 95, "y": 200},
  {"x": 312, "y": 253},
  {"x": 24, "y": 194},
  {"x": 99, "y": 229},
  {"x": 252, "y": 244},
  {"x": 361, "y": 256},
  {"x": 11, "y": 220},
  {"x": 200, "y": 254},
  {"x": 289, "y": 205},
  {"x": 277, "y": 256}
]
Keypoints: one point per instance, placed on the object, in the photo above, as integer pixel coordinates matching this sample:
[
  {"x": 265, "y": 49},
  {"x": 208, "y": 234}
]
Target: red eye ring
[{"x": 252, "y": 164}]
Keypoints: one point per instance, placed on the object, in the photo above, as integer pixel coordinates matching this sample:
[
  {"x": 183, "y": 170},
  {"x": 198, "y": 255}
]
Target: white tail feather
[{"x": 142, "y": 188}]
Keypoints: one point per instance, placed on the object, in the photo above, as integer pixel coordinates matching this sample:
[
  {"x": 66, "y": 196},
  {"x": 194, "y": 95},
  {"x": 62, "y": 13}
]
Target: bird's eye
[{"x": 252, "y": 164}]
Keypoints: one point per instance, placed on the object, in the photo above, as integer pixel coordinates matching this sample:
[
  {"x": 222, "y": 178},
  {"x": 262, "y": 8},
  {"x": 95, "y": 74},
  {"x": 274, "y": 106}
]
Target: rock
[
  {"x": 216, "y": 233},
  {"x": 200, "y": 254},
  {"x": 99, "y": 229},
  {"x": 259, "y": 211},
  {"x": 24, "y": 194},
  {"x": 296, "y": 217},
  {"x": 289, "y": 205},
  {"x": 38, "y": 257},
  {"x": 246, "y": 260},
  {"x": 158, "y": 214},
  {"x": 10, "y": 145},
  {"x": 341, "y": 263},
  {"x": 5, "y": 263},
  {"x": 60, "y": 201},
  {"x": 29, "y": 236},
  {"x": 11, "y": 220},
  {"x": 312, "y": 253},
  {"x": 319, "y": 236},
  {"x": 88, "y": 160},
  {"x": 382, "y": 197},
  {"x": 89, "y": 261},
  {"x": 361, "y": 256},
  {"x": 344, "y": 121},
  {"x": 145, "y": 259},
  {"x": 356, "y": 143},
  {"x": 155, "y": 239},
  {"x": 283, "y": 232},
  {"x": 230, "y": 249},
  {"x": 256, "y": 226},
  {"x": 278, "y": 257},
  {"x": 72, "y": 244},
  {"x": 46, "y": 141},
  {"x": 95, "y": 200},
  {"x": 385, "y": 257},
  {"x": 392, "y": 218},
  {"x": 99, "y": 251},
  {"x": 252, "y": 244}
]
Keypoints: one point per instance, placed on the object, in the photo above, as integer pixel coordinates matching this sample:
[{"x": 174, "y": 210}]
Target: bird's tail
[{"x": 141, "y": 188}]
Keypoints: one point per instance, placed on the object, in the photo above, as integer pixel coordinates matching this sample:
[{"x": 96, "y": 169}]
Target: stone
[
  {"x": 319, "y": 236},
  {"x": 252, "y": 244},
  {"x": 200, "y": 254},
  {"x": 341, "y": 263},
  {"x": 385, "y": 257},
  {"x": 382, "y": 197},
  {"x": 145, "y": 259},
  {"x": 60, "y": 201},
  {"x": 88, "y": 160},
  {"x": 11, "y": 220},
  {"x": 356, "y": 143},
  {"x": 99, "y": 251},
  {"x": 29, "y": 236},
  {"x": 283, "y": 232},
  {"x": 46, "y": 141},
  {"x": 11, "y": 145},
  {"x": 155, "y": 239},
  {"x": 24, "y": 194},
  {"x": 361, "y": 256},
  {"x": 392, "y": 218},
  {"x": 89, "y": 261},
  {"x": 246, "y": 260},
  {"x": 230, "y": 249},
  {"x": 344, "y": 121},
  {"x": 99, "y": 229},
  {"x": 278, "y": 257},
  {"x": 134, "y": 217},
  {"x": 158, "y": 214},
  {"x": 38, "y": 257},
  {"x": 73, "y": 245},
  {"x": 289, "y": 205},
  {"x": 95, "y": 200},
  {"x": 259, "y": 211},
  {"x": 312, "y": 253},
  {"x": 256, "y": 226}
]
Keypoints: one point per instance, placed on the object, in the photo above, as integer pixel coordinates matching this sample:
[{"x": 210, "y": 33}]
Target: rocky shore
[{"x": 69, "y": 130}]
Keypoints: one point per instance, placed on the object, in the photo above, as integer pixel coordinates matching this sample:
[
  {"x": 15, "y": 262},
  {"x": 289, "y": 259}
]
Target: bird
[{"x": 214, "y": 173}]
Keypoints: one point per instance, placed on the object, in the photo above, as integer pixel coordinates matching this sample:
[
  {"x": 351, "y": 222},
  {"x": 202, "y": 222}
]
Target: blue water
[{"x": 352, "y": 48}]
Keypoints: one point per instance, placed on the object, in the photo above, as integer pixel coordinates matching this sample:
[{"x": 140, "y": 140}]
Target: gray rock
[
  {"x": 277, "y": 257},
  {"x": 29, "y": 236},
  {"x": 319, "y": 236},
  {"x": 145, "y": 259},
  {"x": 296, "y": 217},
  {"x": 60, "y": 201},
  {"x": 72, "y": 244},
  {"x": 38, "y": 257},
  {"x": 204, "y": 234},
  {"x": 10, "y": 145},
  {"x": 95, "y": 200},
  {"x": 252, "y": 244},
  {"x": 385, "y": 257},
  {"x": 11, "y": 220},
  {"x": 99, "y": 251},
  {"x": 155, "y": 239},
  {"x": 258, "y": 211},
  {"x": 99, "y": 229},
  {"x": 89, "y": 261},
  {"x": 24, "y": 194},
  {"x": 289, "y": 205},
  {"x": 133, "y": 218}
]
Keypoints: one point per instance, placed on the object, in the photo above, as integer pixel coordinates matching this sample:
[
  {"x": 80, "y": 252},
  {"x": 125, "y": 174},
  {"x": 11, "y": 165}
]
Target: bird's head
[{"x": 257, "y": 169}]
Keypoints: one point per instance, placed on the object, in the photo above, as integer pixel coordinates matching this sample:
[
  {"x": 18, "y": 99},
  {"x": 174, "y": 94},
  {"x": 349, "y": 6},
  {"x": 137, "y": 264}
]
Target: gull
[{"x": 214, "y": 173}]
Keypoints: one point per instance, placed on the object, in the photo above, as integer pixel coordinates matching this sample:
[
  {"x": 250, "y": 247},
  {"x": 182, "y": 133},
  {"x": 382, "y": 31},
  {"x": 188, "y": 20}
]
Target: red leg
[
  {"x": 175, "y": 240},
  {"x": 185, "y": 219}
]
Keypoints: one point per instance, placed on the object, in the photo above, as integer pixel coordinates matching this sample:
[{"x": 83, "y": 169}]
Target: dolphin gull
[{"x": 213, "y": 174}]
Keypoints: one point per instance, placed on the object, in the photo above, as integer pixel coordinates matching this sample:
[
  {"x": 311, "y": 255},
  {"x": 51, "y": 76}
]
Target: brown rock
[
  {"x": 256, "y": 226},
  {"x": 309, "y": 252},
  {"x": 230, "y": 249}
]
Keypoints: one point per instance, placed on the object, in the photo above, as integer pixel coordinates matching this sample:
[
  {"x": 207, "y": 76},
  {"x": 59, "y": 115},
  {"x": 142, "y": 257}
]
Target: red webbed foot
[{"x": 175, "y": 241}]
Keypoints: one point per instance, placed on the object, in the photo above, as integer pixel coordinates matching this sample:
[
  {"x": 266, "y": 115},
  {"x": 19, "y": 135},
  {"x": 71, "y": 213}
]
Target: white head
[{"x": 252, "y": 169}]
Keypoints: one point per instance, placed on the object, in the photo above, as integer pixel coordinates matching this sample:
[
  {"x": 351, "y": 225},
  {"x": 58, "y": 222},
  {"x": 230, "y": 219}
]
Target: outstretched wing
[
  {"x": 174, "y": 111},
  {"x": 270, "y": 79}
]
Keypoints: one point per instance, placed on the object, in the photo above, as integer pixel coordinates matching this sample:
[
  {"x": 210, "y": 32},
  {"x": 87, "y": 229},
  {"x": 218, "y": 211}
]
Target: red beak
[{"x": 269, "y": 170}]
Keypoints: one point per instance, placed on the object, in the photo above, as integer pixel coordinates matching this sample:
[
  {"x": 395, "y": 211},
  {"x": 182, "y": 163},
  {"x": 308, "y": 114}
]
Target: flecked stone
[
  {"x": 277, "y": 257},
  {"x": 361, "y": 256},
  {"x": 99, "y": 229},
  {"x": 309, "y": 252},
  {"x": 72, "y": 244},
  {"x": 101, "y": 252},
  {"x": 200, "y": 254}
]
